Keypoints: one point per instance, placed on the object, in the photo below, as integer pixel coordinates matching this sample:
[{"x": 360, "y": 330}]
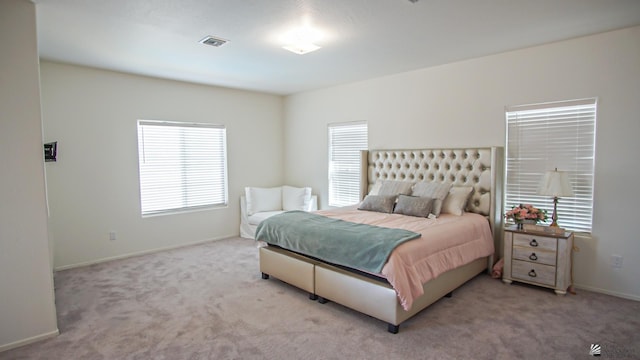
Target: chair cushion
[
  {"x": 294, "y": 198},
  {"x": 257, "y": 218},
  {"x": 263, "y": 199}
]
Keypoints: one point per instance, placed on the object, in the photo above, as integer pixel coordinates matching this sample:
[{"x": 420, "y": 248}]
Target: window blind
[
  {"x": 182, "y": 166},
  {"x": 345, "y": 142},
  {"x": 544, "y": 137}
]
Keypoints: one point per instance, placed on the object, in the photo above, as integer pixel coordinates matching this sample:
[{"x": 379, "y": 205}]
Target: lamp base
[{"x": 554, "y": 217}]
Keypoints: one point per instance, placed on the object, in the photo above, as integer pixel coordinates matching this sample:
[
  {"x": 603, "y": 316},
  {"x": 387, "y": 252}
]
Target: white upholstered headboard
[{"x": 481, "y": 168}]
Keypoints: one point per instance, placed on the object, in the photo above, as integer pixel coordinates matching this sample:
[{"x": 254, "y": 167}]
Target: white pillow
[
  {"x": 295, "y": 198},
  {"x": 375, "y": 189},
  {"x": 263, "y": 199},
  {"x": 456, "y": 201}
]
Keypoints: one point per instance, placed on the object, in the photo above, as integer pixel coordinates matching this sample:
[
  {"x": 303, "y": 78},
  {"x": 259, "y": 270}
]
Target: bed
[{"x": 375, "y": 294}]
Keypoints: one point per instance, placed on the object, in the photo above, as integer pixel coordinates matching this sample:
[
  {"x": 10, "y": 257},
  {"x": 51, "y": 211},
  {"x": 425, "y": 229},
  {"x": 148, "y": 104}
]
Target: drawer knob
[
  {"x": 532, "y": 273},
  {"x": 533, "y": 243},
  {"x": 533, "y": 256}
]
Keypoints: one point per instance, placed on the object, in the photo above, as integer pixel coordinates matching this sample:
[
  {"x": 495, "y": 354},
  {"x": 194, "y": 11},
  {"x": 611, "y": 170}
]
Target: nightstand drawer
[
  {"x": 534, "y": 255},
  {"x": 535, "y": 242},
  {"x": 536, "y": 273}
]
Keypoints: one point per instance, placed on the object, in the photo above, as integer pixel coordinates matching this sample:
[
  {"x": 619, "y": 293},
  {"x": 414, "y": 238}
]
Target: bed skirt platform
[
  {"x": 368, "y": 296},
  {"x": 289, "y": 267}
]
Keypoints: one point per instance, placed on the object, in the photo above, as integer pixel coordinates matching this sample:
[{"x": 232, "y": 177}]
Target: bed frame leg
[
  {"x": 322, "y": 300},
  {"x": 313, "y": 297},
  {"x": 393, "y": 328},
  {"x": 265, "y": 276},
  {"x": 449, "y": 295}
]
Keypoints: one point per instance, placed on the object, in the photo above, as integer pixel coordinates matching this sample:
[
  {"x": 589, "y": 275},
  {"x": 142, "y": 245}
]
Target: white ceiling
[{"x": 363, "y": 38}]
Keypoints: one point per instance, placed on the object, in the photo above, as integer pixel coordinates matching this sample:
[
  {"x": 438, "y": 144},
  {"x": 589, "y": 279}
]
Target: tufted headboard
[{"x": 481, "y": 168}]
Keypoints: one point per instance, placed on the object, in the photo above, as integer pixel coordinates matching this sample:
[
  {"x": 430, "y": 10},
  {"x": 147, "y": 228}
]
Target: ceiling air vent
[{"x": 213, "y": 41}]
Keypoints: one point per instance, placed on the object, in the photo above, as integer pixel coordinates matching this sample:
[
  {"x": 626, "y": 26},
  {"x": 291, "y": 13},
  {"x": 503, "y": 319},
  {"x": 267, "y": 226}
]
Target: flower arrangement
[{"x": 526, "y": 212}]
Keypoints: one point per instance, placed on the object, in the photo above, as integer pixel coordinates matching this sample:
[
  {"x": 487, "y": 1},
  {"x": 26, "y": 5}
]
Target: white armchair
[{"x": 258, "y": 204}]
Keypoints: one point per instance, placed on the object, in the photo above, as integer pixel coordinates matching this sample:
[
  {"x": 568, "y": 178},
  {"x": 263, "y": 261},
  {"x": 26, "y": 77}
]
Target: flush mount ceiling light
[
  {"x": 302, "y": 40},
  {"x": 213, "y": 41},
  {"x": 301, "y": 48}
]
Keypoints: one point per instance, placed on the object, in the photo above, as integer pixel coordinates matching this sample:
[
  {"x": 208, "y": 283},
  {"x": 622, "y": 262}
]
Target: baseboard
[
  {"x": 28, "y": 341},
  {"x": 139, "y": 253},
  {"x": 607, "y": 292}
]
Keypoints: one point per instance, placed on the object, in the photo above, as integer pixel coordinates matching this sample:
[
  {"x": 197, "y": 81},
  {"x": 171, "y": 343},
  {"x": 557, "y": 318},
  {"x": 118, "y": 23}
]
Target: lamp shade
[{"x": 556, "y": 184}]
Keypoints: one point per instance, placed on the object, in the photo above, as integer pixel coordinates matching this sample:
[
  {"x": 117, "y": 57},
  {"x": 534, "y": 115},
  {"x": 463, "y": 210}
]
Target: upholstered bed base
[
  {"x": 481, "y": 168},
  {"x": 369, "y": 296}
]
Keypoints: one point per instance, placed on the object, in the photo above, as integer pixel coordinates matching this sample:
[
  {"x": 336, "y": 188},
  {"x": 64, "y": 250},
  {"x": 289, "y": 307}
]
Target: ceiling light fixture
[
  {"x": 302, "y": 40},
  {"x": 301, "y": 48}
]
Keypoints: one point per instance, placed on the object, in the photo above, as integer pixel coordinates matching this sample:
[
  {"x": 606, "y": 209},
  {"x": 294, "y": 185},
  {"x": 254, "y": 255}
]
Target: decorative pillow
[
  {"x": 375, "y": 189},
  {"x": 263, "y": 199},
  {"x": 378, "y": 203},
  {"x": 456, "y": 201},
  {"x": 413, "y": 206},
  {"x": 295, "y": 198},
  {"x": 437, "y": 191},
  {"x": 391, "y": 187}
]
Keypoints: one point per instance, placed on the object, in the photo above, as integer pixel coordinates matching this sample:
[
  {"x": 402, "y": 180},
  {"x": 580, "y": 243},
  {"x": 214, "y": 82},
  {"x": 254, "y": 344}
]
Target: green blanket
[{"x": 359, "y": 246}]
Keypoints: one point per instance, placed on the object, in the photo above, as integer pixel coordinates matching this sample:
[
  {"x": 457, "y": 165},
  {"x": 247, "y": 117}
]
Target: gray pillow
[
  {"x": 437, "y": 191},
  {"x": 378, "y": 203},
  {"x": 413, "y": 206},
  {"x": 395, "y": 187}
]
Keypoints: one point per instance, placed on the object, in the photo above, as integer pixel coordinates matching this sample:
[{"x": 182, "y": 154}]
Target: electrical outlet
[
  {"x": 616, "y": 261},
  {"x": 112, "y": 235}
]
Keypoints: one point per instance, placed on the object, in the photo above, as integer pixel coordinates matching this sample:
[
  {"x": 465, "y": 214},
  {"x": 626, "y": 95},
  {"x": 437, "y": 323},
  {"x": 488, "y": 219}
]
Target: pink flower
[{"x": 526, "y": 211}]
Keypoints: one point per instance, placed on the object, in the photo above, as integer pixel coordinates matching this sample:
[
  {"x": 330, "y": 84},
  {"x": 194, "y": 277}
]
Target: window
[
  {"x": 543, "y": 137},
  {"x": 183, "y": 166},
  {"x": 345, "y": 142}
]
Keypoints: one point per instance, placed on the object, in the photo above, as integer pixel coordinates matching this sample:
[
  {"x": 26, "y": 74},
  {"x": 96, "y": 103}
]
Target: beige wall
[
  {"x": 462, "y": 104},
  {"x": 93, "y": 187},
  {"x": 27, "y": 311}
]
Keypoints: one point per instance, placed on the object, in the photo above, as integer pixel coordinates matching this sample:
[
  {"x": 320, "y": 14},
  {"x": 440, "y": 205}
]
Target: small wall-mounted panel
[{"x": 50, "y": 151}]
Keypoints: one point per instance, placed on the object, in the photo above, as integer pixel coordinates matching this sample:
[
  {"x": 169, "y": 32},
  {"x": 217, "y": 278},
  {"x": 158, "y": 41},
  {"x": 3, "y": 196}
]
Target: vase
[{"x": 520, "y": 223}]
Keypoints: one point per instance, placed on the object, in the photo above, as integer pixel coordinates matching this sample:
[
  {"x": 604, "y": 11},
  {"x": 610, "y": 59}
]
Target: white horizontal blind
[
  {"x": 547, "y": 136},
  {"x": 345, "y": 142},
  {"x": 183, "y": 166}
]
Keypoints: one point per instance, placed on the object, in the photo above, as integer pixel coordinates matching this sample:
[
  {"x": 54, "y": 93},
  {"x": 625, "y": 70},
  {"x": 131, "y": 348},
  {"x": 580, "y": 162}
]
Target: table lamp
[{"x": 555, "y": 183}]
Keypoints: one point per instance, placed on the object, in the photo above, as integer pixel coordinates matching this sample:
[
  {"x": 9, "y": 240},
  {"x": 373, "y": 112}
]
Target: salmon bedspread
[{"x": 447, "y": 242}]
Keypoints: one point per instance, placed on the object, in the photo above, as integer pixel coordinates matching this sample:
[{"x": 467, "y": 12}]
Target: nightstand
[{"x": 538, "y": 258}]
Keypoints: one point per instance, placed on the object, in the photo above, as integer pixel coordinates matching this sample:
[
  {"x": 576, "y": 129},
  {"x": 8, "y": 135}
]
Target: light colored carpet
[{"x": 209, "y": 302}]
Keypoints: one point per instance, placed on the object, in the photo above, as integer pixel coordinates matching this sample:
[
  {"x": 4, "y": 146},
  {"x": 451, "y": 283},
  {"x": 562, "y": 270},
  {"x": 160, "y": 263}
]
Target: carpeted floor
[{"x": 209, "y": 302}]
